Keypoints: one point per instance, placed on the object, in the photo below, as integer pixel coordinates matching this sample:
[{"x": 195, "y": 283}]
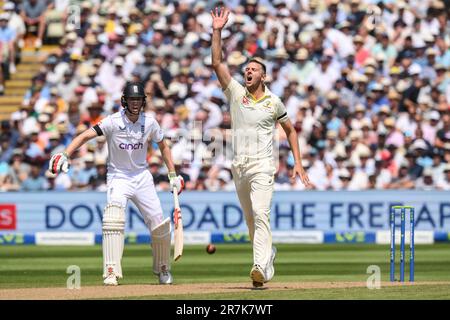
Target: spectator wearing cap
[
  {"x": 82, "y": 176},
  {"x": 157, "y": 89},
  {"x": 403, "y": 179},
  {"x": 110, "y": 50},
  {"x": 323, "y": 77},
  {"x": 443, "y": 134},
  {"x": 283, "y": 174},
  {"x": 317, "y": 172},
  {"x": 111, "y": 22},
  {"x": 438, "y": 165},
  {"x": 383, "y": 174},
  {"x": 145, "y": 68},
  {"x": 356, "y": 15},
  {"x": 313, "y": 112},
  {"x": 428, "y": 71},
  {"x": 431, "y": 126},
  {"x": 94, "y": 114},
  {"x": 443, "y": 183},
  {"x": 35, "y": 148},
  {"x": 54, "y": 144},
  {"x": 361, "y": 52},
  {"x": 277, "y": 81},
  {"x": 91, "y": 46},
  {"x": 33, "y": 14},
  {"x": 344, "y": 179},
  {"x": 7, "y": 46},
  {"x": 10, "y": 130},
  {"x": 335, "y": 106},
  {"x": 134, "y": 56},
  {"x": 359, "y": 179},
  {"x": 213, "y": 107},
  {"x": 411, "y": 94},
  {"x": 422, "y": 149},
  {"x": 385, "y": 47},
  {"x": 6, "y": 148},
  {"x": 18, "y": 168},
  {"x": 159, "y": 179},
  {"x": 7, "y": 184},
  {"x": 203, "y": 85},
  {"x": 101, "y": 148},
  {"x": 112, "y": 79},
  {"x": 97, "y": 182},
  {"x": 39, "y": 92},
  {"x": 35, "y": 181},
  {"x": 356, "y": 121},
  {"x": 442, "y": 81},
  {"x": 292, "y": 100},
  {"x": 343, "y": 41},
  {"x": 202, "y": 15},
  {"x": 393, "y": 135},
  {"x": 332, "y": 147},
  {"x": 15, "y": 23},
  {"x": 52, "y": 76},
  {"x": 444, "y": 52},
  {"x": 420, "y": 57},
  {"x": 302, "y": 68},
  {"x": 406, "y": 50},
  {"x": 425, "y": 182},
  {"x": 359, "y": 90},
  {"x": 67, "y": 86},
  {"x": 380, "y": 98}
]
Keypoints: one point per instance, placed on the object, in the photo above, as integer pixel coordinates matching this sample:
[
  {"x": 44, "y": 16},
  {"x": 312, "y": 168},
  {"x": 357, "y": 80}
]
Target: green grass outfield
[{"x": 45, "y": 266}]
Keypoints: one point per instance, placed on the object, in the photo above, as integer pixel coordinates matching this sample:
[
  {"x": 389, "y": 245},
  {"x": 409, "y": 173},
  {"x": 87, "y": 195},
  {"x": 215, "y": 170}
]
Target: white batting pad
[
  {"x": 161, "y": 246},
  {"x": 113, "y": 238}
]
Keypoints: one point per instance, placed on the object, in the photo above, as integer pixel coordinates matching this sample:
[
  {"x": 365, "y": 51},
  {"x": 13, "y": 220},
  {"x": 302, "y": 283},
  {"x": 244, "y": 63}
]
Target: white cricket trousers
[
  {"x": 140, "y": 189},
  {"x": 254, "y": 180}
]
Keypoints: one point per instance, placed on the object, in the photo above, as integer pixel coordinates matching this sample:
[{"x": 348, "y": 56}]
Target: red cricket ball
[{"x": 210, "y": 248}]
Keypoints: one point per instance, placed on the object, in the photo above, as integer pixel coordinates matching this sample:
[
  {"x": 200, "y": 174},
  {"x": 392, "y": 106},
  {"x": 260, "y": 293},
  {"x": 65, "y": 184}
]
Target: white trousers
[
  {"x": 254, "y": 180},
  {"x": 140, "y": 189}
]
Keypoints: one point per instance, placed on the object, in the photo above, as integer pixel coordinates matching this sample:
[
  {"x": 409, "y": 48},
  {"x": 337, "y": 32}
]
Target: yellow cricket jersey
[{"x": 253, "y": 121}]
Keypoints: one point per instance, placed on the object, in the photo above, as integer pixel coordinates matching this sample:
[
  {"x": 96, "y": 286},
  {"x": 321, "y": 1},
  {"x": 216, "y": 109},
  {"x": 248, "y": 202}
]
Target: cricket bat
[{"x": 178, "y": 227}]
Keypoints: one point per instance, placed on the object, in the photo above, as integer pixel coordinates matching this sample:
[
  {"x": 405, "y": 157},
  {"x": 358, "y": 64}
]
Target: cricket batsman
[
  {"x": 254, "y": 113},
  {"x": 128, "y": 133}
]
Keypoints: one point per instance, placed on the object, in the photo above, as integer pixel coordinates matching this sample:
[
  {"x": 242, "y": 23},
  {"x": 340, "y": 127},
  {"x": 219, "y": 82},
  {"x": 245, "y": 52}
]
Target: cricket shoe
[
  {"x": 257, "y": 276},
  {"x": 165, "y": 277},
  {"x": 111, "y": 278},
  {"x": 270, "y": 269}
]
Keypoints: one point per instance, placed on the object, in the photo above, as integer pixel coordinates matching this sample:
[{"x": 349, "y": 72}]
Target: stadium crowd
[{"x": 366, "y": 84}]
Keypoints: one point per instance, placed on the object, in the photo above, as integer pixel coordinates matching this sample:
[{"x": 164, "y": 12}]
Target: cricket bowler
[
  {"x": 128, "y": 133},
  {"x": 254, "y": 113}
]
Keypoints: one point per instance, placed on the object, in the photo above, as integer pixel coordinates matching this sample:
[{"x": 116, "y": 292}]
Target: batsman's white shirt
[
  {"x": 128, "y": 176},
  {"x": 253, "y": 123},
  {"x": 128, "y": 142}
]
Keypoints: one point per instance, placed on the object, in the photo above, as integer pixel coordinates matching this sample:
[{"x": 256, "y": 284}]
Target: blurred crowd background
[{"x": 366, "y": 84}]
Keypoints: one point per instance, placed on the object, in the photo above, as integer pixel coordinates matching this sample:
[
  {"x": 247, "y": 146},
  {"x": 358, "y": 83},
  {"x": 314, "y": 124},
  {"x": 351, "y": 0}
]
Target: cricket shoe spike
[
  {"x": 270, "y": 269},
  {"x": 165, "y": 277},
  {"x": 111, "y": 278},
  {"x": 257, "y": 276}
]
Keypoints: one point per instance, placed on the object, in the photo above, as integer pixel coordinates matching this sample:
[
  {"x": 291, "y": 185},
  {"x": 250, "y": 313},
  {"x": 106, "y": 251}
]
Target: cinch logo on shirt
[{"x": 130, "y": 146}]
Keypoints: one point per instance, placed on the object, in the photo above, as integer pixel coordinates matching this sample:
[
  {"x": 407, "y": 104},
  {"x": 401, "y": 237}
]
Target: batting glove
[
  {"x": 176, "y": 181},
  {"x": 59, "y": 162}
]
